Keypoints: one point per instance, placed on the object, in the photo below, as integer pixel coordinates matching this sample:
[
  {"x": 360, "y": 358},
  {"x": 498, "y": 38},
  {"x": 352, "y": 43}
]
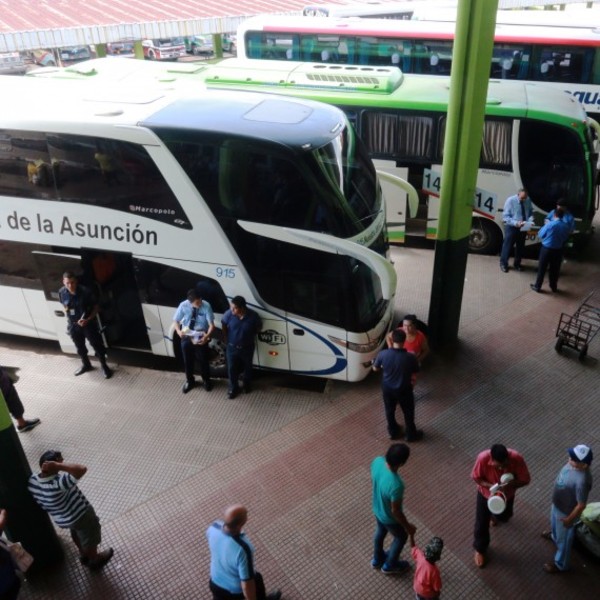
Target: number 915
[{"x": 226, "y": 272}]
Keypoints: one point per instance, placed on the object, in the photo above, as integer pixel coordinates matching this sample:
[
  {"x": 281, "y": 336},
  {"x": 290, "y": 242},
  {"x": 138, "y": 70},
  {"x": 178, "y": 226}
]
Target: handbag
[{"x": 20, "y": 557}]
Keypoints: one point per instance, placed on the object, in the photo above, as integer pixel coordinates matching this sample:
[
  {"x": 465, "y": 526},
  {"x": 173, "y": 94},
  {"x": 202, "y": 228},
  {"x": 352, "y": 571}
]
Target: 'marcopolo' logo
[{"x": 271, "y": 337}]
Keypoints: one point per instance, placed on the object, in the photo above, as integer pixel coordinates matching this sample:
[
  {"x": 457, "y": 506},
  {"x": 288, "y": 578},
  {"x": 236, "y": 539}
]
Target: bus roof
[
  {"x": 342, "y": 85},
  {"x": 65, "y": 106},
  {"x": 426, "y": 30},
  {"x": 345, "y": 85}
]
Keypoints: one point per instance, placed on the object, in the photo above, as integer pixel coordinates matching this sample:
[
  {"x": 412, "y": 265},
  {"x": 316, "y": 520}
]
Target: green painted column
[
  {"x": 217, "y": 45},
  {"x": 138, "y": 49},
  {"x": 100, "y": 50},
  {"x": 471, "y": 59},
  {"x": 27, "y": 522}
]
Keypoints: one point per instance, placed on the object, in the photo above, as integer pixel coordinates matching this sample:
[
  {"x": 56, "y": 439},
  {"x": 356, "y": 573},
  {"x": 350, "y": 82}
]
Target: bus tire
[
  {"x": 218, "y": 359},
  {"x": 217, "y": 356},
  {"x": 485, "y": 236},
  {"x": 559, "y": 344}
]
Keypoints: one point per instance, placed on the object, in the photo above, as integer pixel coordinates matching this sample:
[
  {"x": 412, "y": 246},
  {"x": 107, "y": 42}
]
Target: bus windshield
[{"x": 242, "y": 180}]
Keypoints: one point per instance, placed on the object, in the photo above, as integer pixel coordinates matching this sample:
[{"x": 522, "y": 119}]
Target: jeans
[
  {"x": 239, "y": 362},
  {"x": 563, "y": 538},
  {"x": 400, "y": 536}
]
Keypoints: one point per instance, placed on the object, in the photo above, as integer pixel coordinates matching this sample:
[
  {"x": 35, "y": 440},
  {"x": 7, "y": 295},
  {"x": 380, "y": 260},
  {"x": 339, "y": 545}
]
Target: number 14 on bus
[{"x": 484, "y": 202}]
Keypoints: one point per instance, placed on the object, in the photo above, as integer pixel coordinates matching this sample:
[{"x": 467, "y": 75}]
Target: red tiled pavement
[{"x": 305, "y": 477}]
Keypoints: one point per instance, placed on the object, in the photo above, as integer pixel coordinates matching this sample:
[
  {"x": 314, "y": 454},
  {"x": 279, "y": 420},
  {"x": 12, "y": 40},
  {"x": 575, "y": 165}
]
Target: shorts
[{"x": 87, "y": 529}]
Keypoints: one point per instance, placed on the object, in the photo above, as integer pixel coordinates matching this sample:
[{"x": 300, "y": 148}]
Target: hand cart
[{"x": 577, "y": 331}]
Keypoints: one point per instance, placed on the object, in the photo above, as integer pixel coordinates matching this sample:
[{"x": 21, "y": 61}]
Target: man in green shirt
[{"x": 388, "y": 493}]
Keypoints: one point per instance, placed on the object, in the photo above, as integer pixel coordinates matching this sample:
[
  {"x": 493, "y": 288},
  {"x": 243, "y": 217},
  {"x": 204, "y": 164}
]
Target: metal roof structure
[{"x": 32, "y": 24}]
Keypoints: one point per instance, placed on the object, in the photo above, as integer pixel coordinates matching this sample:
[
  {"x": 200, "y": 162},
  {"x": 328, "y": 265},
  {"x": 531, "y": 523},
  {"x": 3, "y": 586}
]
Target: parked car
[
  {"x": 163, "y": 48},
  {"x": 228, "y": 42},
  {"x": 199, "y": 44},
  {"x": 68, "y": 56},
  {"x": 125, "y": 49},
  {"x": 12, "y": 63},
  {"x": 75, "y": 54}
]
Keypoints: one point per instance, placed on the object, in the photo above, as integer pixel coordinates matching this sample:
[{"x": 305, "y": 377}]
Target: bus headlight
[{"x": 355, "y": 347}]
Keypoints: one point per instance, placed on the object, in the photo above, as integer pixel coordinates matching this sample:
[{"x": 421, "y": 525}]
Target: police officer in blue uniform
[{"x": 81, "y": 308}]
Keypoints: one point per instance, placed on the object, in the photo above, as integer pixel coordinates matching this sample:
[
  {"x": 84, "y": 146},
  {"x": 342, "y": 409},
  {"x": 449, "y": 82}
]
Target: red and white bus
[{"x": 566, "y": 57}]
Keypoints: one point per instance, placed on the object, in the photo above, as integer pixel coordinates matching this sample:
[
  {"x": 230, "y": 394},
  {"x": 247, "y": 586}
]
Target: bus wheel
[
  {"x": 217, "y": 359},
  {"x": 485, "y": 237}
]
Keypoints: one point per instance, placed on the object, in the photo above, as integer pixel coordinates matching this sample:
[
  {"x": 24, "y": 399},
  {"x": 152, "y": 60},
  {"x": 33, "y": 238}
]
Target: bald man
[{"x": 232, "y": 574}]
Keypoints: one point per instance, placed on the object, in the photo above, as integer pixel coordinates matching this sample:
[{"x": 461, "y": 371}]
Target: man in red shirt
[{"x": 489, "y": 468}]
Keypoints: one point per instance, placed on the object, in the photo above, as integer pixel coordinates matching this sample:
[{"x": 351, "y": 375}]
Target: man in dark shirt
[
  {"x": 399, "y": 371},
  {"x": 81, "y": 308},
  {"x": 240, "y": 325}
]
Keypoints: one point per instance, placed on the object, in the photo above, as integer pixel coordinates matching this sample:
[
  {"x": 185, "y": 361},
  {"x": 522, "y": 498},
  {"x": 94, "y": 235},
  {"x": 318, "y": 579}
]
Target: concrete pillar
[{"x": 471, "y": 59}]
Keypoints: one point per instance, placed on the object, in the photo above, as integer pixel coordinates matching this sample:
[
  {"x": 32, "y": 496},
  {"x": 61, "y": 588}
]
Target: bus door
[
  {"x": 272, "y": 347},
  {"x": 51, "y": 268},
  {"x": 396, "y": 200}
]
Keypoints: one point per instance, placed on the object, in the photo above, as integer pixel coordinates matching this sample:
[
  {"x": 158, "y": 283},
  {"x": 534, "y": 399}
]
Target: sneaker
[
  {"x": 504, "y": 268},
  {"x": 535, "y": 288},
  {"x": 29, "y": 425},
  {"x": 400, "y": 568},
  {"x": 102, "y": 560},
  {"x": 519, "y": 268},
  {"x": 187, "y": 386},
  {"x": 208, "y": 386}
]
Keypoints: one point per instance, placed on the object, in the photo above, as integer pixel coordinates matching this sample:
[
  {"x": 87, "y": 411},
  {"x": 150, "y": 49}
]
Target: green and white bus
[
  {"x": 147, "y": 192},
  {"x": 533, "y": 136}
]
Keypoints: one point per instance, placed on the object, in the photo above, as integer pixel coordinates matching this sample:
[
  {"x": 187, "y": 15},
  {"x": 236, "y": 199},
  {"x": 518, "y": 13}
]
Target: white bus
[
  {"x": 563, "y": 56},
  {"x": 379, "y": 10},
  {"x": 147, "y": 192},
  {"x": 533, "y": 136}
]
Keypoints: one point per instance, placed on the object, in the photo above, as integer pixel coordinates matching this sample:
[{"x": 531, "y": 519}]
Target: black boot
[
  {"x": 106, "y": 370},
  {"x": 86, "y": 366}
]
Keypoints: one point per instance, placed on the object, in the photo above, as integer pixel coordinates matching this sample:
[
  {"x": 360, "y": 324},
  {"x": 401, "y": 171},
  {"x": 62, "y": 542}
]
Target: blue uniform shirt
[
  {"x": 231, "y": 558},
  {"x": 567, "y": 218},
  {"x": 204, "y": 318},
  {"x": 80, "y": 304},
  {"x": 512, "y": 210},
  {"x": 554, "y": 234}
]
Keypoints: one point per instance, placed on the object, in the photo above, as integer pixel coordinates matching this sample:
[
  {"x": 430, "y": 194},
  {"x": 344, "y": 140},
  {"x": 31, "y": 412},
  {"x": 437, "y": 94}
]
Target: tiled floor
[{"x": 163, "y": 465}]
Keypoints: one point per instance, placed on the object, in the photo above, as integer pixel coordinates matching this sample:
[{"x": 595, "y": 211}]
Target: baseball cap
[{"x": 581, "y": 453}]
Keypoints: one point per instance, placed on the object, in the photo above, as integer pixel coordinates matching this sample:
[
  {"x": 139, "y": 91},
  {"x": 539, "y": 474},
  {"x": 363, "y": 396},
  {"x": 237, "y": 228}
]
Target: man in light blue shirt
[
  {"x": 518, "y": 209},
  {"x": 194, "y": 322},
  {"x": 554, "y": 236},
  {"x": 232, "y": 572}
]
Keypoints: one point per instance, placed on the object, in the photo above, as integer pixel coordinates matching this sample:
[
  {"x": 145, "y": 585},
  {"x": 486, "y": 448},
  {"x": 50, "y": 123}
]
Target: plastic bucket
[{"x": 497, "y": 503}]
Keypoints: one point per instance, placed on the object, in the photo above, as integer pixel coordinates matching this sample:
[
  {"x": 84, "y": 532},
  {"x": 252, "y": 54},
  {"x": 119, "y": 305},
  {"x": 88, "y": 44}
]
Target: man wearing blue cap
[{"x": 569, "y": 499}]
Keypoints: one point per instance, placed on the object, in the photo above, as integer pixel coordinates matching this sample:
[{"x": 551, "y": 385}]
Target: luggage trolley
[{"x": 577, "y": 331}]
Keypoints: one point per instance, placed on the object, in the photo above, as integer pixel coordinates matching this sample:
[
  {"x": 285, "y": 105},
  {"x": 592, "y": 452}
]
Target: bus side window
[{"x": 26, "y": 168}]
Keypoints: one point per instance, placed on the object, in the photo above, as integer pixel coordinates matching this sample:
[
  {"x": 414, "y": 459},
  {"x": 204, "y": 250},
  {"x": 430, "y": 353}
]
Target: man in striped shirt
[{"x": 55, "y": 490}]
